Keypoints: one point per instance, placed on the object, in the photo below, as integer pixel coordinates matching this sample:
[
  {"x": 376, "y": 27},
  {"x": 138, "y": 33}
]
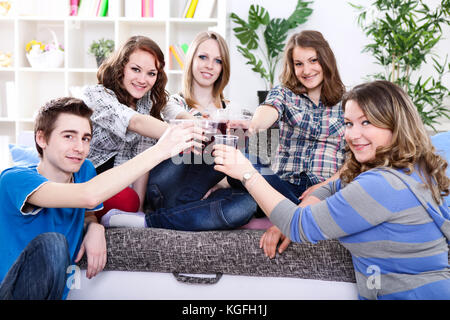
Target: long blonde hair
[
  {"x": 221, "y": 81},
  {"x": 387, "y": 106}
]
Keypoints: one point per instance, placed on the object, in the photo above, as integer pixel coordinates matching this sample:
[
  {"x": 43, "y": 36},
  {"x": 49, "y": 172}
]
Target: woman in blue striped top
[{"x": 387, "y": 207}]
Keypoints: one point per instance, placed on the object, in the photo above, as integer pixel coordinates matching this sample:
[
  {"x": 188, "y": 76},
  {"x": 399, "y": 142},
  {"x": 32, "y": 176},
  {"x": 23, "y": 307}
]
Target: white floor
[{"x": 112, "y": 285}]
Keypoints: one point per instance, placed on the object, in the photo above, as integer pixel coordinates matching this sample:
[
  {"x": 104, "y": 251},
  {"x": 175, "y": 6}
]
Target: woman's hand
[
  {"x": 270, "y": 239},
  {"x": 231, "y": 161},
  {"x": 222, "y": 184},
  {"x": 310, "y": 190},
  {"x": 179, "y": 138}
]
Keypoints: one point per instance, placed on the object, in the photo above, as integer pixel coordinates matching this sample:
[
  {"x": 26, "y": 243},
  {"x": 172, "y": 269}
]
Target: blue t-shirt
[{"x": 18, "y": 228}]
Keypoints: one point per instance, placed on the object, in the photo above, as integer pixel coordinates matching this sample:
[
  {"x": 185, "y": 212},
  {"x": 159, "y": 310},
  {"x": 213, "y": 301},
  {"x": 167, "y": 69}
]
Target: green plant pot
[
  {"x": 99, "y": 60},
  {"x": 262, "y": 94}
]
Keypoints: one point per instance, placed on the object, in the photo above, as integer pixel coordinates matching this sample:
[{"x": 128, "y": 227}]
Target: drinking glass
[
  {"x": 226, "y": 139},
  {"x": 238, "y": 124}
]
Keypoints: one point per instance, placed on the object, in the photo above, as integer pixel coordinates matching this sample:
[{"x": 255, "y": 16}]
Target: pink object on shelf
[{"x": 74, "y": 7}]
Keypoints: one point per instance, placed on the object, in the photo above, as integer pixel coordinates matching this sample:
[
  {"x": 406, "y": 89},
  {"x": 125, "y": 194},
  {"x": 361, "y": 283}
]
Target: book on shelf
[
  {"x": 187, "y": 3},
  {"x": 74, "y": 7},
  {"x": 177, "y": 56},
  {"x": 204, "y": 9},
  {"x": 147, "y": 8},
  {"x": 191, "y": 10},
  {"x": 102, "y": 8},
  {"x": 88, "y": 8},
  {"x": 115, "y": 8},
  {"x": 91, "y": 8},
  {"x": 81, "y": 8},
  {"x": 181, "y": 52},
  {"x": 84, "y": 6}
]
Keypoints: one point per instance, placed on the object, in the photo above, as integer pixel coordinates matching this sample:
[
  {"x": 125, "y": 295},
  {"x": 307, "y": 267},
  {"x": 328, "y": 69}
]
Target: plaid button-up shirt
[
  {"x": 311, "y": 136},
  {"x": 110, "y": 136}
]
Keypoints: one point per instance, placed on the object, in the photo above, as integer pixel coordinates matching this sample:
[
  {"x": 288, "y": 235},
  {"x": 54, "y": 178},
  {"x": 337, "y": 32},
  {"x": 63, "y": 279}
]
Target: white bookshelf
[{"x": 31, "y": 19}]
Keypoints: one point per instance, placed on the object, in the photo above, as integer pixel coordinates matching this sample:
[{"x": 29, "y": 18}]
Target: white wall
[{"x": 335, "y": 19}]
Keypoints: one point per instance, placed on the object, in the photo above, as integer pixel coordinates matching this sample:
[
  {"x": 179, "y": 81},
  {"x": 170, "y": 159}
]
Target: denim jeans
[
  {"x": 175, "y": 190},
  {"x": 223, "y": 209},
  {"x": 40, "y": 270},
  {"x": 287, "y": 189},
  {"x": 171, "y": 183}
]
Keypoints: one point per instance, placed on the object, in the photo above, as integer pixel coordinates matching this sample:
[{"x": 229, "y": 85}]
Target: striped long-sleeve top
[{"x": 397, "y": 234}]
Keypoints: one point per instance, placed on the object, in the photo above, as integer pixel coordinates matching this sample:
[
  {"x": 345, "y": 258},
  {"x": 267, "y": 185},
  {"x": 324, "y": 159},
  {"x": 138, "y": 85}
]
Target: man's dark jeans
[{"x": 39, "y": 273}]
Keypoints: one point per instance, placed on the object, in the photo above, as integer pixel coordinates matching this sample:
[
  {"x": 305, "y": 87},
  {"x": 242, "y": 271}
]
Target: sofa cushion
[{"x": 234, "y": 252}]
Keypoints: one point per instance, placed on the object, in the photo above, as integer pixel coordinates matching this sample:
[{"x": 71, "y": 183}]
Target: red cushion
[{"x": 125, "y": 200}]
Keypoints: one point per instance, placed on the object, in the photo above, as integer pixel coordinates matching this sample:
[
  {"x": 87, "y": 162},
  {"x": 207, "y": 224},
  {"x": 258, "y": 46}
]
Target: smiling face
[
  {"x": 140, "y": 73},
  {"x": 207, "y": 63},
  {"x": 363, "y": 137},
  {"x": 67, "y": 146},
  {"x": 307, "y": 68}
]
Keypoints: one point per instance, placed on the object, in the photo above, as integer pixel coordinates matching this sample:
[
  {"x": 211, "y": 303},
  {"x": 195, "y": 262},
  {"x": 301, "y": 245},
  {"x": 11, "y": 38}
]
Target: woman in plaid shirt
[
  {"x": 127, "y": 106},
  {"x": 307, "y": 108}
]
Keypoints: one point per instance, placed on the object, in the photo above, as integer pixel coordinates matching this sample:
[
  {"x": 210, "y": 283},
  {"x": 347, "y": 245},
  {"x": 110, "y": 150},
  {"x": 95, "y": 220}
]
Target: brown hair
[
  {"x": 221, "y": 81},
  {"x": 111, "y": 72},
  {"x": 49, "y": 113},
  {"x": 332, "y": 88},
  {"x": 387, "y": 106}
]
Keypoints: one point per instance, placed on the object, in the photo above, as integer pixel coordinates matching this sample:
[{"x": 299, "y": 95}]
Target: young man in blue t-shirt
[{"x": 47, "y": 208}]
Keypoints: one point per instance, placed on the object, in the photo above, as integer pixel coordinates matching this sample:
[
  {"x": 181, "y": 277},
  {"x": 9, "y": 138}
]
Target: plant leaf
[
  {"x": 275, "y": 36},
  {"x": 257, "y": 15},
  {"x": 245, "y": 34},
  {"x": 300, "y": 14},
  {"x": 251, "y": 60}
]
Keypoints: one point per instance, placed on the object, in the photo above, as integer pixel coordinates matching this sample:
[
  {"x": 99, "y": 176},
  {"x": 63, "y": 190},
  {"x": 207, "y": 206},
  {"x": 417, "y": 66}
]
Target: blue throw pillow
[
  {"x": 441, "y": 142},
  {"x": 23, "y": 155}
]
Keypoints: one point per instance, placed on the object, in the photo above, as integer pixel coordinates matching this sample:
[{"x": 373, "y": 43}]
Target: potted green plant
[
  {"x": 101, "y": 49},
  {"x": 262, "y": 38},
  {"x": 404, "y": 34}
]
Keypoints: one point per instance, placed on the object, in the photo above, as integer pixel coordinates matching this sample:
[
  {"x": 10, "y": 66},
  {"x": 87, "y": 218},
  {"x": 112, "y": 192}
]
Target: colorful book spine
[
  {"x": 74, "y": 7},
  {"x": 204, "y": 9},
  {"x": 177, "y": 57},
  {"x": 103, "y": 8},
  {"x": 191, "y": 10},
  {"x": 82, "y": 8},
  {"x": 180, "y": 52},
  {"x": 186, "y": 8},
  {"x": 151, "y": 9},
  {"x": 98, "y": 3},
  {"x": 147, "y": 8}
]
